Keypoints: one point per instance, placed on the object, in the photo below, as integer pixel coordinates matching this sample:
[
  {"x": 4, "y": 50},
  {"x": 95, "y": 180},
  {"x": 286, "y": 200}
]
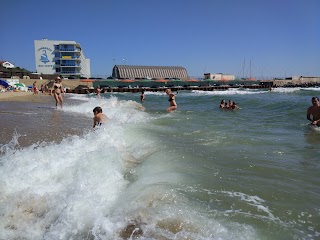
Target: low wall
[
  {"x": 72, "y": 84},
  {"x": 299, "y": 81}
]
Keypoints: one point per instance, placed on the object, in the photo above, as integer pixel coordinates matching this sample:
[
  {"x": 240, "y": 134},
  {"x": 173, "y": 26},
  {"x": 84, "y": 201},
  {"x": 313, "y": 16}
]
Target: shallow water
[{"x": 197, "y": 173}]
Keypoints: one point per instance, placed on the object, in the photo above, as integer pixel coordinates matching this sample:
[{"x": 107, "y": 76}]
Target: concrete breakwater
[
  {"x": 88, "y": 86},
  {"x": 267, "y": 85},
  {"x": 162, "y": 89}
]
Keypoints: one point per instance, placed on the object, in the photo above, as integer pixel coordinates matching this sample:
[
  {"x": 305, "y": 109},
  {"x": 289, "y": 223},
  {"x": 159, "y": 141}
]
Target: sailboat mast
[
  {"x": 244, "y": 62},
  {"x": 250, "y": 69}
]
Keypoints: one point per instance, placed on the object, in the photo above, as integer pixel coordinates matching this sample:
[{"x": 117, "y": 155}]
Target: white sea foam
[
  {"x": 79, "y": 188},
  {"x": 159, "y": 93},
  {"x": 230, "y": 91},
  {"x": 253, "y": 201},
  {"x": 111, "y": 183},
  {"x": 62, "y": 185},
  {"x": 311, "y": 89},
  {"x": 286, "y": 90},
  {"x": 118, "y": 111},
  {"x": 60, "y": 190}
]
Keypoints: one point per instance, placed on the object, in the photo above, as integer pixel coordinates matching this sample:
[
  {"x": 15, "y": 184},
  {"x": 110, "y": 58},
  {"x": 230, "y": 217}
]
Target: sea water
[{"x": 200, "y": 172}]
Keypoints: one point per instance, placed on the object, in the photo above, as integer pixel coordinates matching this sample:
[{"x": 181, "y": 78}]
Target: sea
[{"x": 200, "y": 172}]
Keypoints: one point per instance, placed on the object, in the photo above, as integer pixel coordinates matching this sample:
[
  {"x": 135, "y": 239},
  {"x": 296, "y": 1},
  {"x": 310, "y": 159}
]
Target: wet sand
[
  {"x": 24, "y": 97},
  {"x": 35, "y": 119}
]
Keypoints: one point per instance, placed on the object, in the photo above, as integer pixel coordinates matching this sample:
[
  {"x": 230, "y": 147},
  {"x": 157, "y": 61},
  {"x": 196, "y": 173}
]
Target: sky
[{"x": 257, "y": 38}]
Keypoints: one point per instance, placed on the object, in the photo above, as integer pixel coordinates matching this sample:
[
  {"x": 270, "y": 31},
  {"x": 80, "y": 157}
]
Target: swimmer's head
[{"x": 97, "y": 110}]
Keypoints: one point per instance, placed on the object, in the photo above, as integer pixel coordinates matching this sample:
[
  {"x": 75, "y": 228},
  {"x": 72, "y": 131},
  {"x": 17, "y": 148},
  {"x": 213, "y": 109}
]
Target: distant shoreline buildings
[
  {"x": 219, "y": 77},
  {"x": 66, "y": 59},
  {"x": 63, "y": 58},
  {"x": 149, "y": 72}
]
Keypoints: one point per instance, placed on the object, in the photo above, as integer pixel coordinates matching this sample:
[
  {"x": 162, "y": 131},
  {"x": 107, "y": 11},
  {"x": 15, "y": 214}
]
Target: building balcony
[
  {"x": 69, "y": 50},
  {"x": 69, "y": 65},
  {"x": 66, "y": 49},
  {"x": 69, "y": 72},
  {"x": 69, "y": 57}
]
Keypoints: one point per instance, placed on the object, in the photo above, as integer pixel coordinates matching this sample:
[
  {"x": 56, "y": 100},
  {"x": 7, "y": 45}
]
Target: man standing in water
[{"x": 314, "y": 110}]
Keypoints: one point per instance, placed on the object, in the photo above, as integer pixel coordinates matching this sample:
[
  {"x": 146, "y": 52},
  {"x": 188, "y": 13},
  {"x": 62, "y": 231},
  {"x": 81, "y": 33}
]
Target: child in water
[{"x": 99, "y": 117}]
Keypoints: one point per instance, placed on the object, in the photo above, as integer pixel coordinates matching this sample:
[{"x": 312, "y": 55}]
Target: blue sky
[{"x": 279, "y": 37}]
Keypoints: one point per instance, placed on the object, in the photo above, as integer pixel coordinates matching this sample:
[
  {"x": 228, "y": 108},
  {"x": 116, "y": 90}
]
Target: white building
[
  {"x": 219, "y": 76},
  {"x": 63, "y": 58}
]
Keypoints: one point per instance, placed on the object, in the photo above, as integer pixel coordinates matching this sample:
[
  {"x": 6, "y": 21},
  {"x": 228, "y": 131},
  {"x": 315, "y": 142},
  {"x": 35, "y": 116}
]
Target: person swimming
[
  {"x": 223, "y": 103},
  {"x": 231, "y": 105},
  {"x": 99, "y": 117}
]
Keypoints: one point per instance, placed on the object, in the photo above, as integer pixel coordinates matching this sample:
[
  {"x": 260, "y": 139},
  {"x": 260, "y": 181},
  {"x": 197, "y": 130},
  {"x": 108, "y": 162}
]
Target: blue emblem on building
[{"x": 44, "y": 57}]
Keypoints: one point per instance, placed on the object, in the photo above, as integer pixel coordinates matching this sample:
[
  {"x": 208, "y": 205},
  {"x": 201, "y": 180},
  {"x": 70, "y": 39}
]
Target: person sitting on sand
[
  {"x": 314, "y": 110},
  {"x": 58, "y": 90},
  {"x": 99, "y": 117},
  {"x": 172, "y": 100}
]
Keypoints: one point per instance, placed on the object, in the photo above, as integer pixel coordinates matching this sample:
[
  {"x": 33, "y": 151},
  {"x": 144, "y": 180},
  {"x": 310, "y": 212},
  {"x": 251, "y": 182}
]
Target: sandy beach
[
  {"x": 24, "y": 96},
  {"x": 35, "y": 118}
]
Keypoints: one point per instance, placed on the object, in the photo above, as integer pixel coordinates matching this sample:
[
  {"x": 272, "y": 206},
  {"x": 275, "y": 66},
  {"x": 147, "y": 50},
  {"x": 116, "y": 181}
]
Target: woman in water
[
  {"x": 223, "y": 103},
  {"x": 58, "y": 90},
  {"x": 172, "y": 100},
  {"x": 142, "y": 95},
  {"x": 233, "y": 105}
]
